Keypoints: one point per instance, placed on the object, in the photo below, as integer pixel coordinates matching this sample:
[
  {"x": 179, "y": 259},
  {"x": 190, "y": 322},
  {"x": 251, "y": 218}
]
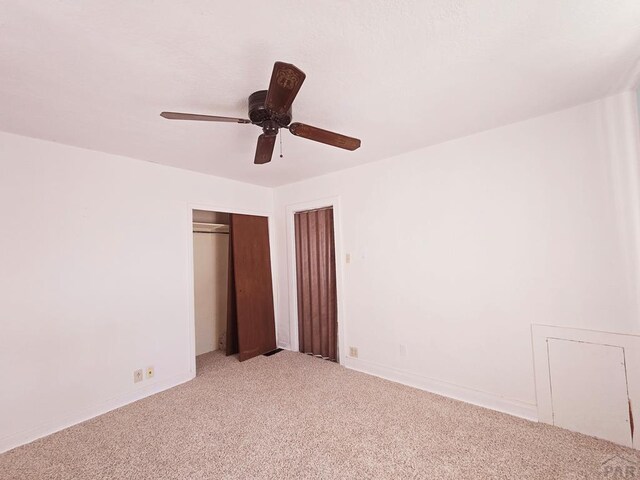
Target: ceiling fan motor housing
[{"x": 259, "y": 115}]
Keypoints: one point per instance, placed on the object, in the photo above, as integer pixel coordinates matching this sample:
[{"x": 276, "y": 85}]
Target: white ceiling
[{"x": 399, "y": 75}]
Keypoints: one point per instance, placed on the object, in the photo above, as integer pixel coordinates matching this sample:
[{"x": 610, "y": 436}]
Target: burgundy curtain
[{"x": 316, "y": 275}]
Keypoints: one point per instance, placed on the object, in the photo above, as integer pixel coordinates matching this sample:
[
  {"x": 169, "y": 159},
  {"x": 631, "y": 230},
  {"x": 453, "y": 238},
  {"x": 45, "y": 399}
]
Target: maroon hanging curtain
[{"x": 316, "y": 275}]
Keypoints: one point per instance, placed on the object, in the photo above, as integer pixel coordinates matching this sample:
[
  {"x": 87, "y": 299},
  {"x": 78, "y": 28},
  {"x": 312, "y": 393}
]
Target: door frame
[
  {"x": 191, "y": 313},
  {"x": 291, "y": 210}
]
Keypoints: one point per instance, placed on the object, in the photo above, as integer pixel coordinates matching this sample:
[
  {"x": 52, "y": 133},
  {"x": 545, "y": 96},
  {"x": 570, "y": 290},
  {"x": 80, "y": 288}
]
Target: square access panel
[{"x": 589, "y": 391}]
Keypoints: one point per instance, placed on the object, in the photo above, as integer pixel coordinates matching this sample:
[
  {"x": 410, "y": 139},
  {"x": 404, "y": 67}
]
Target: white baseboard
[
  {"x": 17, "y": 439},
  {"x": 464, "y": 394}
]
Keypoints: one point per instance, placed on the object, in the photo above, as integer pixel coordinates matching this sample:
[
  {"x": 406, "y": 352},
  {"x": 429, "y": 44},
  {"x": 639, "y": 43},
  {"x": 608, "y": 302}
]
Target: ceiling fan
[{"x": 271, "y": 110}]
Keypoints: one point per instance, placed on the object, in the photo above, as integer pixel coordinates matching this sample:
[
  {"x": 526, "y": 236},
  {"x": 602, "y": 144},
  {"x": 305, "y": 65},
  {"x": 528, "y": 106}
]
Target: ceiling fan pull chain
[{"x": 280, "y": 144}]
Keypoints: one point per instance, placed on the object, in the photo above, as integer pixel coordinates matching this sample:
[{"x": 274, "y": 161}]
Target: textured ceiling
[{"x": 399, "y": 75}]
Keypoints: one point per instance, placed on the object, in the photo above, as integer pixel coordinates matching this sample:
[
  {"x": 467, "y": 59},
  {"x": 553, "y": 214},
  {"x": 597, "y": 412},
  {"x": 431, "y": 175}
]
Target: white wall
[
  {"x": 96, "y": 279},
  {"x": 458, "y": 248}
]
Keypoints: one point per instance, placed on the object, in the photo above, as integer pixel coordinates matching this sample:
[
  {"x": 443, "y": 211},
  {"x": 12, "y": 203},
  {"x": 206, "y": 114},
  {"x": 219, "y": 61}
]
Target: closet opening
[
  {"x": 210, "y": 281},
  {"x": 233, "y": 286}
]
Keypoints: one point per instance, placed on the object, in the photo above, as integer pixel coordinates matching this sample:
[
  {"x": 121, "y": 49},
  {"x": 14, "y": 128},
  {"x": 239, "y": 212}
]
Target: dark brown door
[
  {"x": 316, "y": 278},
  {"x": 253, "y": 285},
  {"x": 232, "y": 317}
]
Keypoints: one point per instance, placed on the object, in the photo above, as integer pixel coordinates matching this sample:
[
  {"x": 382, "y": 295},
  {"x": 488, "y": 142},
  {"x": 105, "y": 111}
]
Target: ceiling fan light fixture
[{"x": 271, "y": 110}]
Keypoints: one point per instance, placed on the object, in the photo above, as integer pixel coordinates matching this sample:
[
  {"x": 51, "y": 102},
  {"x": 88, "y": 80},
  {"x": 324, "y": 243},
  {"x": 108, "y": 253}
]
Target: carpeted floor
[{"x": 298, "y": 417}]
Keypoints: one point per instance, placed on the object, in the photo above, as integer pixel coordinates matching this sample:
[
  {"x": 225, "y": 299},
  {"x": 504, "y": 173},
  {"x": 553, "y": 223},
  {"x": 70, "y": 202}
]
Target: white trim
[
  {"x": 333, "y": 202},
  {"x": 73, "y": 418},
  {"x": 191, "y": 315},
  {"x": 510, "y": 406},
  {"x": 274, "y": 271}
]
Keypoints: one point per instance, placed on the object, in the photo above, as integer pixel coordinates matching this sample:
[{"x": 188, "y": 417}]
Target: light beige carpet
[{"x": 298, "y": 417}]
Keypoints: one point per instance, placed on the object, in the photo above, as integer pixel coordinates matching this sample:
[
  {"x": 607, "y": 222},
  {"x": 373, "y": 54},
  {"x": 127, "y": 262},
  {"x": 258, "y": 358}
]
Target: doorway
[
  {"x": 233, "y": 286},
  {"x": 316, "y": 283}
]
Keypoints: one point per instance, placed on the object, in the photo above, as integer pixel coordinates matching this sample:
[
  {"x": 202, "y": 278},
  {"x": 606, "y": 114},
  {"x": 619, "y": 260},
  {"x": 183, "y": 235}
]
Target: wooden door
[
  {"x": 316, "y": 279},
  {"x": 232, "y": 318},
  {"x": 253, "y": 285}
]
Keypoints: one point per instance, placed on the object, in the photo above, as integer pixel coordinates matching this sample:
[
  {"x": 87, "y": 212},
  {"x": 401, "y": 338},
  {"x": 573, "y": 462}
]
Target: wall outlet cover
[
  {"x": 138, "y": 376},
  {"x": 353, "y": 352},
  {"x": 150, "y": 372}
]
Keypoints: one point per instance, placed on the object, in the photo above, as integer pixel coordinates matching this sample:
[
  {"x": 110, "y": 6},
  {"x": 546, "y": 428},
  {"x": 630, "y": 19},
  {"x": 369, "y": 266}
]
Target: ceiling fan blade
[
  {"x": 264, "y": 150},
  {"x": 285, "y": 84},
  {"x": 202, "y": 118},
  {"x": 324, "y": 136}
]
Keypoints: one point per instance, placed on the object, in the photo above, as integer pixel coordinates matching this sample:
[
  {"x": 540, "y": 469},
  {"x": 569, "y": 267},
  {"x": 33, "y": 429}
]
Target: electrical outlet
[
  {"x": 150, "y": 372},
  {"x": 348, "y": 258},
  {"x": 353, "y": 352},
  {"x": 403, "y": 350},
  {"x": 137, "y": 376}
]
